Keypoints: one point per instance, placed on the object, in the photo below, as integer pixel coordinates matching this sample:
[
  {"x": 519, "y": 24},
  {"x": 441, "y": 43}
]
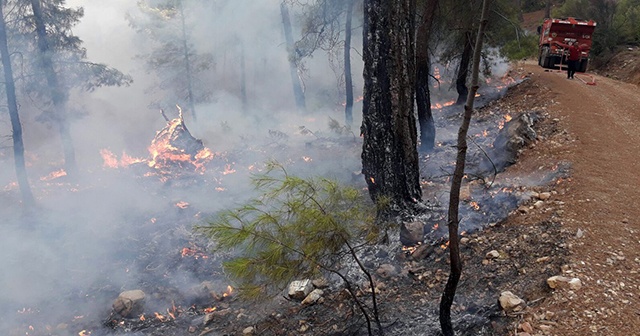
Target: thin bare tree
[
  {"x": 293, "y": 68},
  {"x": 456, "y": 183},
  {"x": 16, "y": 127},
  {"x": 423, "y": 70},
  {"x": 58, "y": 95}
]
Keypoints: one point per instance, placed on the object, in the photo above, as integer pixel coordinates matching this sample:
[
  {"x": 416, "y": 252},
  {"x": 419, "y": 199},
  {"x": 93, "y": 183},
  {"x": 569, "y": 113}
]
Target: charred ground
[{"x": 583, "y": 226}]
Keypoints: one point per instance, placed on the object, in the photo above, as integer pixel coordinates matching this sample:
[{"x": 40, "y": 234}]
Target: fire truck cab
[{"x": 563, "y": 31}]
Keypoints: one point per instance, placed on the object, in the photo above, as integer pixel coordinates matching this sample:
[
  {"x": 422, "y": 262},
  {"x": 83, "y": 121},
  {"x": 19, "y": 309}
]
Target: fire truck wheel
[{"x": 583, "y": 65}]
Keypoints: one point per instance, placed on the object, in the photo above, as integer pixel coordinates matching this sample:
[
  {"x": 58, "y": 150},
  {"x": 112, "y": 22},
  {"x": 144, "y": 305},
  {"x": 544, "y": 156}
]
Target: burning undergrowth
[
  {"x": 498, "y": 134},
  {"x": 129, "y": 226},
  {"x": 149, "y": 244}
]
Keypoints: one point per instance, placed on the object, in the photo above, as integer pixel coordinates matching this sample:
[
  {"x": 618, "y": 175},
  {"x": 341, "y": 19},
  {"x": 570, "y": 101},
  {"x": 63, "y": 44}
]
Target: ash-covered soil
[{"x": 562, "y": 209}]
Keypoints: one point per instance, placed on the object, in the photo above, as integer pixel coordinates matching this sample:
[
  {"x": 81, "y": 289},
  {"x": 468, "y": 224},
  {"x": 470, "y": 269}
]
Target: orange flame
[
  {"x": 163, "y": 152},
  {"x": 229, "y": 292},
  {"x": 475, "y": 205},
  {"x": 228, "y": 170},
  {"x": 182, "y": 205},
  {"x": 54, "y": 175},
  {"x": 160, "y": 317}
]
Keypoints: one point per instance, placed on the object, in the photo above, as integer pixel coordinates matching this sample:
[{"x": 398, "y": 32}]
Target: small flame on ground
[
  {"x": 372, "y": 180},
  {"x": 84, "y": 333},
  {"x": 111, "y": 160},
  {"x": 445, "y": 245},
  {"x": 54, "y": 175},
  {"x": 475, "y": 205},
  {"x": 445, "y": 104},
  {"x": 228, "y": 170},
  {"x": 210, "y": 309},
  {"x": 229, "y": 292},
  {"x": 409, "y": 249},
  {"x": 160, "y": 317},
  {"x": 307, "y": 159},
  {"x": 192, "y": 252},
  {"x": 182, "y": 205},
  {"x": 507, "y": 118},
  {"x": 142, "y": 318}
]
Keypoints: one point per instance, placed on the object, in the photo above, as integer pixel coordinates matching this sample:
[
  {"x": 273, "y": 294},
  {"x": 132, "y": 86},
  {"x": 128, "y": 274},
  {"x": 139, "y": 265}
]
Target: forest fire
[
  {"x": 112, "y": 161},
  {"x": 54, "y": 175},
  {"x": 172, "y": 149},
  {"x": 175, "y": 147}
]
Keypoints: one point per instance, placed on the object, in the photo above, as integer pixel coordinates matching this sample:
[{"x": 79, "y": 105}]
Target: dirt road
[{"x": 602, "y": 142}]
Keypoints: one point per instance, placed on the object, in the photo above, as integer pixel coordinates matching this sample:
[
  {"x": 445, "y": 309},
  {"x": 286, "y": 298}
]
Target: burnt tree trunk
[
  {"x": 58, "y": 95},
  {"x": 16, "y": 127},
  {"x": 454, "y": 197},
  {"x": 291, "y": 51},
  {"x": 463, "y": 70},
  {"x": 389, "y": 152},
  {"x": 348, "y": 79},
  {"x": 187, "y": 63},
  {"x": 423, "y": 69}
]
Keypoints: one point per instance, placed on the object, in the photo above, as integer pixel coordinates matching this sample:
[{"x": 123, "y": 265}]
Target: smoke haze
[{"x": 78, "y": 250}]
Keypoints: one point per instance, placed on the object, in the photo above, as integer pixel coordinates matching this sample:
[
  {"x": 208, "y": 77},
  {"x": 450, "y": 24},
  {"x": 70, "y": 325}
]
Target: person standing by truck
[{"x": 573, "y": 60}]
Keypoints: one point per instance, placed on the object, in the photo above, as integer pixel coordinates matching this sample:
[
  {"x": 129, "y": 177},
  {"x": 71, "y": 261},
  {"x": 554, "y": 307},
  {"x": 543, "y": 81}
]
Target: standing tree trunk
[
  {"x": 243, "y": 80},
  {"x": 187, "y": 63},
  {"x": 58, "y": 94},
  {"x": 389, "y": 152},
  {"x": 16, "y": 127},
  {"x": 547, "y": 9},
  {"x": 348, "y": 80},
  {"x": 463, "y": 70},
  {"x": 423, "y": 70},
  {"x": 293, "y": 68},
  {"x": 456, "y": 183}
]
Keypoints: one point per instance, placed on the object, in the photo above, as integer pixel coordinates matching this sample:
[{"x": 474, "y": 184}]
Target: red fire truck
[{"x": 563, "y": 31}]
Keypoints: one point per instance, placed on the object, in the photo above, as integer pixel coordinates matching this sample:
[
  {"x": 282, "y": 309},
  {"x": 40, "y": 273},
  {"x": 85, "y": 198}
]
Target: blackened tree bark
[
  {"x": 389, "y": 153},
  {"x": 348, "y": 80},
  {"x": 293, "y": 68},
  {"x": 463, "y": 70},
  {"x": 59, "y": 96},
  {"x": 187, "y": 63},
  {"x": 16, "y": 127},
  {"x": 456, "y": 183},
  {"x": 423, "y": 69}
]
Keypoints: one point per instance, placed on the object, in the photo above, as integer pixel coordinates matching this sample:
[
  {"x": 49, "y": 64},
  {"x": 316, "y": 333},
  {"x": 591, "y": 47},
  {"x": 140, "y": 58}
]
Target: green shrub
[{"x": 296, "y": 228}]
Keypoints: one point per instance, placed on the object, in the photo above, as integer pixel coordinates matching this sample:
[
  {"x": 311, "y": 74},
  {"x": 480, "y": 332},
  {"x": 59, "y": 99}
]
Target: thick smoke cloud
[{"x": 79, "y": 241}]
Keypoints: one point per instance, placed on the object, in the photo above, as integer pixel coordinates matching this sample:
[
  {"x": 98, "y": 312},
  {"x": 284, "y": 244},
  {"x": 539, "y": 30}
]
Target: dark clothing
[
  {"x": 572, "y": 66},
  {"x": 573, "y": 59}
]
